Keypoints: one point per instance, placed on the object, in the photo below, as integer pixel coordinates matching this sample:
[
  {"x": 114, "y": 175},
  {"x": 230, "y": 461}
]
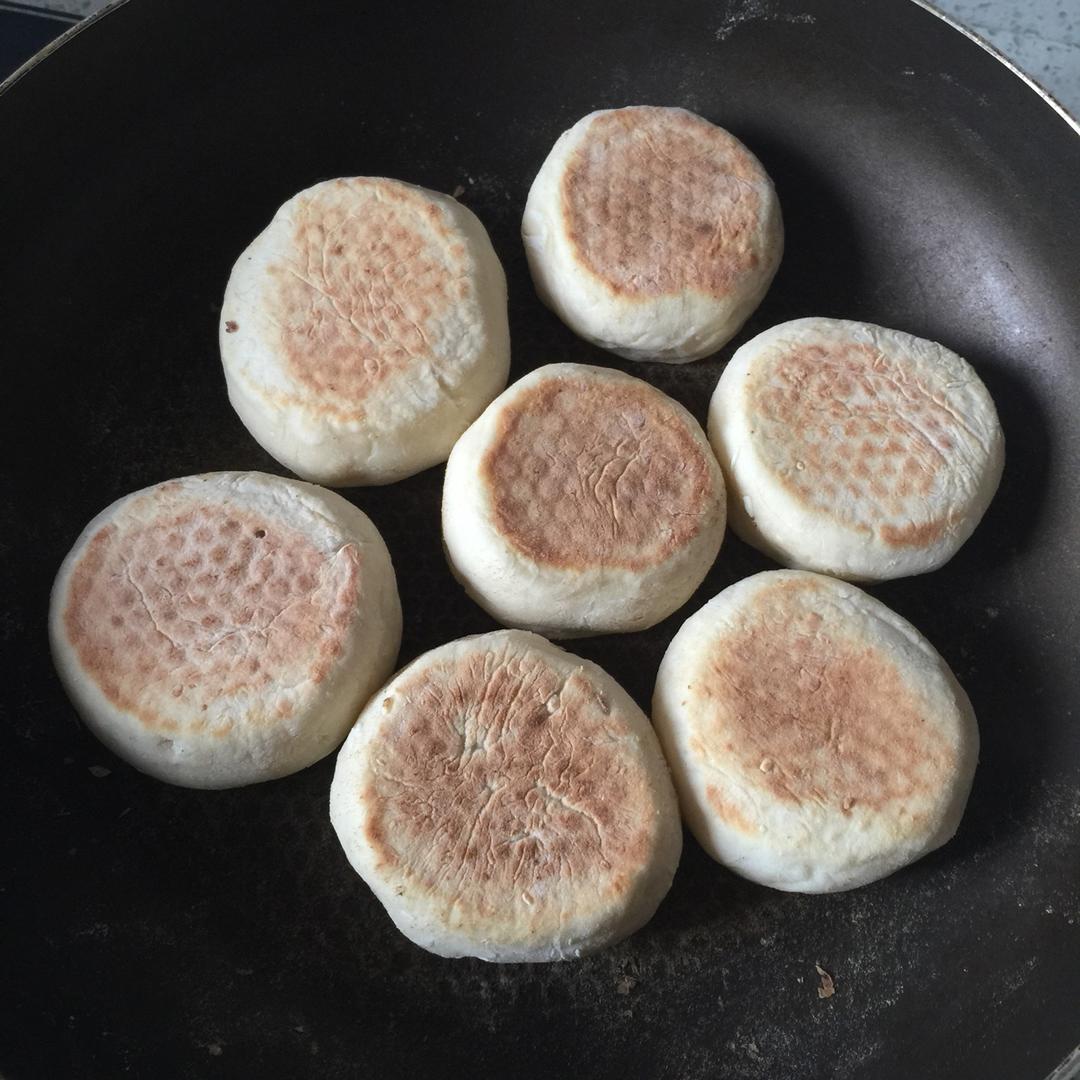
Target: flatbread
[
  {"x": 652, "y": 233},
  {"x": 364, "y": 329},
  {"x": 507, "y": 800},
  {"x": 854, "y": 450},
  {"x": 817, "y": 740},
  {"x": 223, "y": 629},
  {"x": 583, "y": 501}
]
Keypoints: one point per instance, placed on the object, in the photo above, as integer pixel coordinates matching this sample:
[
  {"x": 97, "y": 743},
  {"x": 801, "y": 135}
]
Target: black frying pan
[{"x": 157, "y": 932}]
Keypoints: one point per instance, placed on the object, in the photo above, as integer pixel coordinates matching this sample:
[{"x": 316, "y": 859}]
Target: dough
[
  {"x": 222, "y": 629},
  {"x": 506, "y": 800},
  {"x": 652, "y": 233},
  {"x": 364, "y": 329},
  {"x": 583, "y": 501}
]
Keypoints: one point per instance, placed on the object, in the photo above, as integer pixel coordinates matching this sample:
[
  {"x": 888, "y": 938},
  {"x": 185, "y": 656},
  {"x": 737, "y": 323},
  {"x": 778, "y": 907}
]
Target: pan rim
[
  {"x": 997, "y": 54},
  {"x": 1049, "y": 99},
  {"x": 57, "y": 43}
]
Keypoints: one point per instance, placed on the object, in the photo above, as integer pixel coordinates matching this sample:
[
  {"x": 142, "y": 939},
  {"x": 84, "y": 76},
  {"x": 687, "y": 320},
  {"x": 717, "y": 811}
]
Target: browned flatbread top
[
  {"x": 175, "y": 605},
  {"x": 799, "y": 711},
  {"x": 363, "y": 290},
  {"x": 592, "y": 472},
  {"x": 658, "y": 201},
  {"x": 497, "y": 780},
  {"x": 860, "y": 435}
]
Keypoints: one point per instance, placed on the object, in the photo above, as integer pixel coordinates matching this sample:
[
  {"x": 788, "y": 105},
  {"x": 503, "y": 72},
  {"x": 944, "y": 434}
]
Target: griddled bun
[
  {"x": 583, "y": 501},
  {"x": 364, "y": 329},
  {"x": 507, "y": 800},
  {"x": 222, "y": 629},
  {"x": 817, "y": 740},
  {"x": 652, "y": 232},
  {"x": 854, "y": 450}
]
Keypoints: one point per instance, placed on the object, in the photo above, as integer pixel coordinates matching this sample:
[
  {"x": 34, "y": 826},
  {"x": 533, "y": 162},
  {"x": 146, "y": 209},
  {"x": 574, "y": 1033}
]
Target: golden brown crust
[
  {"x": 586, "y": 472},
  {"x": 727, "y": 811},
  {"x": 850, "y": 433},
  {"x": 659, "y": 201},
  {"x": 805, "y": 715},
  {"x": 497, "y": 776},
  {"x": 372, "y": 269},
  {"x": 169, "y": 613}
]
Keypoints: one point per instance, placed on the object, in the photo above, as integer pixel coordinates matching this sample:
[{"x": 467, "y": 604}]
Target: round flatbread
[
  {"x": 364, "y": 329},
  {"x": 506, "y": 800},
  {"x": 583, "y": 501},
  {"x": 817, "y": 740},
  {"x": 854, "y": 450},
  {"x": 222, "y": 629},
  {"x": 652, "y": 232}
]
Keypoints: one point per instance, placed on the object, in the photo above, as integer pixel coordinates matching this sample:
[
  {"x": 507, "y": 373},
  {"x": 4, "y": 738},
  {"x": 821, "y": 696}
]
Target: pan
[{"x": 153, "y": 931}]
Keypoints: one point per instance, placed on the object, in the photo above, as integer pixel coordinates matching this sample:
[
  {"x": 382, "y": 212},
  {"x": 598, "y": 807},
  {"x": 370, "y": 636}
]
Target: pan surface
[{"x": 153, "y": 931}]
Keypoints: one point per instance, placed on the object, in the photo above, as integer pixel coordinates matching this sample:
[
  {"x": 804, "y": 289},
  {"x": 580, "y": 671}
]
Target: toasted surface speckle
[
  {"x": 496, "y": 774},
  {"x": 658, "y": 200},
  {"x": 508, "y": 800},
  {"x": 845, "y": 419},
  {"x": 594, "y": 473}
]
